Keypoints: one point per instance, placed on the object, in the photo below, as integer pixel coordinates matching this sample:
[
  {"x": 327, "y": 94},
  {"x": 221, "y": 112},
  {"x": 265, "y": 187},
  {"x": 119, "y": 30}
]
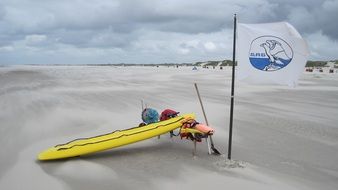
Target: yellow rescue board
[{"x": 111, "y": 140}]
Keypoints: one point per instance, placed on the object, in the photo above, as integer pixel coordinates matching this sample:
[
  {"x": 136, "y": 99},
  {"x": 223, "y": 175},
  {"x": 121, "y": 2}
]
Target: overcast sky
[{"x": 150, "y": 31}]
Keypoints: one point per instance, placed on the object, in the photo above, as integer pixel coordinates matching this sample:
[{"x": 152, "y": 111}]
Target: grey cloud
[
  {"x": 328, "y": 19},
  {"x": 5, "y": 39},
  {"x": 310, "y": 16},
  {"x": 124, "y": 16},
  {"x": 186, "y": 17},
  {"x": 108, "y": 24},
  {"x": 2, "y": 12},
  {"x": 88, "y": 38}
]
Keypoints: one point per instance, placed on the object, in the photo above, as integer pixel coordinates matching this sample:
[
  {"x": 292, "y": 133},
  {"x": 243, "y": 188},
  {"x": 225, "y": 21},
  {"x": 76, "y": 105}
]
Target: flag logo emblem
[{"x": 270, "y": 53}]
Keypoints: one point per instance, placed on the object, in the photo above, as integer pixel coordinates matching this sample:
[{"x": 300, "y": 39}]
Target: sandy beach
[{"x": 284, "y": 138}]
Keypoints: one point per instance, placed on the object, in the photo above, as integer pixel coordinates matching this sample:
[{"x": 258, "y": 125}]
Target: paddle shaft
[
  {"x": 206, "y": 121},
  {"x": 199, "y": 98}
]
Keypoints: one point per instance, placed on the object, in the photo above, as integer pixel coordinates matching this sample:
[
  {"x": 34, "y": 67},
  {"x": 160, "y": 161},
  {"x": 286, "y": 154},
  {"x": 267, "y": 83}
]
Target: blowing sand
[{"x": 284, "y": 138}]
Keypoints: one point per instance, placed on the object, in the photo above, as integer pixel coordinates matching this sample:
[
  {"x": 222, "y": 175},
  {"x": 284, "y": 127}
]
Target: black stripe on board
[{"x": 111, "y": 138}]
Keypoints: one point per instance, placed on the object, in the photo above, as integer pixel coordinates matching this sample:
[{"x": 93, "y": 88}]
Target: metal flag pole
[{"x": 232, "y": 89}]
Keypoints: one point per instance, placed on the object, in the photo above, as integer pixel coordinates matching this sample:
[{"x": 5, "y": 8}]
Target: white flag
[{"x": 270, "y": 53}]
